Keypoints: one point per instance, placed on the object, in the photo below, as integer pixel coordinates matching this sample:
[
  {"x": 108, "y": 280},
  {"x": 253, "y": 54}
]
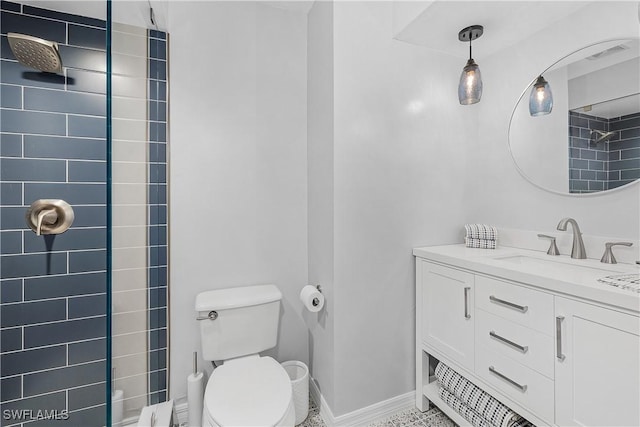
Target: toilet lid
[{"x": 255, "y": 391}]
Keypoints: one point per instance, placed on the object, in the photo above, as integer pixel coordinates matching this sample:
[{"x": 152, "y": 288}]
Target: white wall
[
  {"x": 501, "y": 195},
  {"x": 238, "y": 164},
  {"x": 400, "y": 142},
  {"x": 411, "y": 166},
  {"x": 613, "y": 82},
  {"x": 394, "y": 163},
  {"x": 320, "y": 192}
]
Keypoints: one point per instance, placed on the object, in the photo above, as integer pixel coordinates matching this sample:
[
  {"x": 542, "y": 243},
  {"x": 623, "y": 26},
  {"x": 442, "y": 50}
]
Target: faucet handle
[
  {"x": 608, "y": 257},
  {"x": 553, "y": 248}
]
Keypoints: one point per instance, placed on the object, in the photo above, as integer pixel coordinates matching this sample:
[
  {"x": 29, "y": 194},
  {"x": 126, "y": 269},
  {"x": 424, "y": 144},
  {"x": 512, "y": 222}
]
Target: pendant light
[
  {"x": 541, "y": 98},
  {"x": 470, "y": 86}
]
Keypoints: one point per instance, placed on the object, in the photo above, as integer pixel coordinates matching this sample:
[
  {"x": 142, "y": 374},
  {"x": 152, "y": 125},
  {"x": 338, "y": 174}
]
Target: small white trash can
[{"x": 299, "y": 375}]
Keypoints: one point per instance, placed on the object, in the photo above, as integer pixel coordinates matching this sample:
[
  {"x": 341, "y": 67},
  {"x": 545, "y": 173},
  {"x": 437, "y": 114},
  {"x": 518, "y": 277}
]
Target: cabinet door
[
  {"x": 597, "y": 366},
  {"x": 447, "y": 312}
]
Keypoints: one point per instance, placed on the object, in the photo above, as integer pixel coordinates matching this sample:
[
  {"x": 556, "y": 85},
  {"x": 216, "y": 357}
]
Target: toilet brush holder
[{"x": 195, "y": 394}]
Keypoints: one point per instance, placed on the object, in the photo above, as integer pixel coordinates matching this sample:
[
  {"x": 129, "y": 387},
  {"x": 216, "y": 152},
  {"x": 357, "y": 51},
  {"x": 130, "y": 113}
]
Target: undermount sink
[
  {"x": 555, "y": 266},
  {"x": 583, "y": 271}
]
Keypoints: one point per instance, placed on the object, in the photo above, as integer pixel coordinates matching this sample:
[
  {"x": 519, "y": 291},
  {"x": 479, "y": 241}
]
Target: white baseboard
[
  {"x": 364, "y": 416},
  {"x": 325, "y": 410}
]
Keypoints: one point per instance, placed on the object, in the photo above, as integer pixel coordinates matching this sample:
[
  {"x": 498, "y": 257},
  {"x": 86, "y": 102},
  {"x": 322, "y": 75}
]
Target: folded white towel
[
  {"x": 481, "y": 231},
  {"x": 477, "y": 399},
  {"x": 480, "y": 243}
]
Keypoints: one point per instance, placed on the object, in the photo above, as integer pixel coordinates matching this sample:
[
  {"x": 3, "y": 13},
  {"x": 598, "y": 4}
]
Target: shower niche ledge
[{"x": 537, "y": 332}]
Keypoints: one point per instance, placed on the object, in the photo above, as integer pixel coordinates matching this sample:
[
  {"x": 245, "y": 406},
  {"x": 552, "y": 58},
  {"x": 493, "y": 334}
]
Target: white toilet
[{"x": 247, "y": 389}]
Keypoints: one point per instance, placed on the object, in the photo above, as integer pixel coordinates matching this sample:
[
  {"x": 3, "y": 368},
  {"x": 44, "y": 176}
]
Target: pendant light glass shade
[
  {"x": 541, "y": 98},
  {"x": 470, "y": 86}
]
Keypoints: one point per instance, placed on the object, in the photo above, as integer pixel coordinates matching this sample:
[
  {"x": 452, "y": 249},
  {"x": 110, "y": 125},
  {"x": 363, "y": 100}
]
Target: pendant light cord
[
  {"x": 152, "y": 15},
  {"x": 470, "y": 47}
]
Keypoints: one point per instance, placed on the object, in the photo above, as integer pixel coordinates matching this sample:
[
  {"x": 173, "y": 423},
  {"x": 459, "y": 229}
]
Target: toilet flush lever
[
  {"x": 47, "y": 216},
  {"x": 213, "y": 315}
]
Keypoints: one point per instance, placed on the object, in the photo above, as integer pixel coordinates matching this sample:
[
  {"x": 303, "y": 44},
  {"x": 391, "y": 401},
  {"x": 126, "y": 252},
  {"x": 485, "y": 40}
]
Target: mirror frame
[{"x": 526, "y": 91}]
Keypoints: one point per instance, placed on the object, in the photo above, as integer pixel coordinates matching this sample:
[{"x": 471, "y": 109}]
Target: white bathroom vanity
[{"x": 539, "y": 333}]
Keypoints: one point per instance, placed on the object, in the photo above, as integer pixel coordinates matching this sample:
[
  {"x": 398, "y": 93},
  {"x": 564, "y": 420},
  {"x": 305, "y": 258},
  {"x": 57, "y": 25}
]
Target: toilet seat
[{"x": 252, "y": 391}]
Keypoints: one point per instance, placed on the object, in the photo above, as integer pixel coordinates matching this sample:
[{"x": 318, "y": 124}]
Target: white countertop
[{"x": 560, "y": 274}]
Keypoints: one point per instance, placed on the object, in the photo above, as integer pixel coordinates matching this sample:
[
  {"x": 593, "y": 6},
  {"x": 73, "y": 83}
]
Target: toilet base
[{"x": 288, "y": 420}]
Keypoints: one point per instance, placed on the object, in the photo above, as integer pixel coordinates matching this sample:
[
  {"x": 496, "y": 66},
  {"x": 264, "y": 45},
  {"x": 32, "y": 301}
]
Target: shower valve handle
[{"x": 49, "y": 216}]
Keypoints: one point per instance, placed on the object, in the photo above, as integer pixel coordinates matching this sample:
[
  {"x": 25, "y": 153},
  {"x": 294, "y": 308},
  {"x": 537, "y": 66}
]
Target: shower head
[
  {"x": 36, "y": 53},
  {"x": 603, "y": 136}
]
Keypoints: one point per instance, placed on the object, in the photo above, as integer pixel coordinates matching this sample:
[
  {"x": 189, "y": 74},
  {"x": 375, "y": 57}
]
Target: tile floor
[{"x": 406, "y": 418}]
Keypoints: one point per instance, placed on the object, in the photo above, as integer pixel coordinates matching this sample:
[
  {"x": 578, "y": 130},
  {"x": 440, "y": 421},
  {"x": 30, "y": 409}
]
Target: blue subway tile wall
[
  {"x": 608, "y": 164},
  {"x": 10, "y": 388},
  {"x": 60, "y": 16},
  {"x": 157, "y": 234},
  {"x": 65, "y": 147},
  {"x": 84, "y": 397},
  {"x": 624, "y": 150},
  {"x": 11, "y": 290},
  {"x": 53, "y": 288},
  {"x": 86, "y": 351},
  {"x": 587, "y": 161}
]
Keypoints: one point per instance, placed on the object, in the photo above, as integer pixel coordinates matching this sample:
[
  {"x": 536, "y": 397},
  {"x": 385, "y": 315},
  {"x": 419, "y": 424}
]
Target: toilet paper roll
[
  {"x": 312, "y": 299},
  {"x": 117, "y": 407},
  {"x": 195, "y": 398}
]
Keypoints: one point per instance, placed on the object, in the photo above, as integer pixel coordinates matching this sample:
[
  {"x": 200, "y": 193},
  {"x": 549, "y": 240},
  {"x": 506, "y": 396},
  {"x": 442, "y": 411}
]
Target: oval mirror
[{"x": 590, "y": 141}]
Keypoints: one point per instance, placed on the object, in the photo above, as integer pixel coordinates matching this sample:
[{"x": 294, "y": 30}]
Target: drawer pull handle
[
  {"x": 559, "y": 354},
  {"x": 522, "y": 388},
  {"x": 520, "y": 308},
  {"x": 467, "y": 315},
  {"x": 521, "y": 348}
]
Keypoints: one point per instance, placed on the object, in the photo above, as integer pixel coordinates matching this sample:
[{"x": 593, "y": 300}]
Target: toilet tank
[{"x": 246, "y": 323}]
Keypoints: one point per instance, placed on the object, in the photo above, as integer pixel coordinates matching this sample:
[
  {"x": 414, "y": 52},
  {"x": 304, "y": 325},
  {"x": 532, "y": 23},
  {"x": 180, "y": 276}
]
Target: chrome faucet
[{"x": 577, "y": 251}]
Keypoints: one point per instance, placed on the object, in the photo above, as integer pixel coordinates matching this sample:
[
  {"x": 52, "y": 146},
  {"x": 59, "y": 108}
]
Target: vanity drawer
[
  {"x": 526, "y": 346},
  {"x": 518, "y": 304},
  {"x": 525, "y": 386}
]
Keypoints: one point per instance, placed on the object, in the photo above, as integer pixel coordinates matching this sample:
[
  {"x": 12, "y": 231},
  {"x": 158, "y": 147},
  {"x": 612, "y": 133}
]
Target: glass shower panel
[
  {"x": 138, "y": 211},
  {"x": 77, "y": 304},
  {"x": 129, "y": 218},
  {"x": 53, "y": 146}
]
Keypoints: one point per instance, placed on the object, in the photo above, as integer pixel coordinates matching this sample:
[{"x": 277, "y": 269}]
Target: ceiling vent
[{"x": 607, "y": 52}]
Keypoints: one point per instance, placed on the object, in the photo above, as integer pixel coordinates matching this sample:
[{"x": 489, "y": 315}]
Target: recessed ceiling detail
[{"x": 506, "y": 23}]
